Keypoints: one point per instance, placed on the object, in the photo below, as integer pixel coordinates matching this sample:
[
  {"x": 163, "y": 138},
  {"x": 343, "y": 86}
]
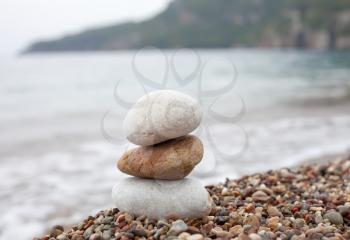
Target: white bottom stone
[{"x": 162, "y": 198}]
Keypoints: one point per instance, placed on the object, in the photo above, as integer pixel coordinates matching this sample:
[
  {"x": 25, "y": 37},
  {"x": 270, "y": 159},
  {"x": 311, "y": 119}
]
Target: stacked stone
[{"x": 160, "y": 122}]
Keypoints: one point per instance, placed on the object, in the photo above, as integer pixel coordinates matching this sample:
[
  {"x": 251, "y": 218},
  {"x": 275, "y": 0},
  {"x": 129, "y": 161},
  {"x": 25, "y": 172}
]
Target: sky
[{"x": 24, "y": 21}]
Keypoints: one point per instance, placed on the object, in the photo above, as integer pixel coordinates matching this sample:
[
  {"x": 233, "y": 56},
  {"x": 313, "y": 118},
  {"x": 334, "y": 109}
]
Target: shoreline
[{"x": 307, "y": 202}]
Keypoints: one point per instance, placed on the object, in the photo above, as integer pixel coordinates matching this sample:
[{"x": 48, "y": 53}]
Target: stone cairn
[{"x": 160, "y": 123}]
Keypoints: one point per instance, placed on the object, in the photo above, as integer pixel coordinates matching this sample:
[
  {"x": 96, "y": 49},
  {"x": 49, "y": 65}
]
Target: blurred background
[{"x": 69, "y": 70}]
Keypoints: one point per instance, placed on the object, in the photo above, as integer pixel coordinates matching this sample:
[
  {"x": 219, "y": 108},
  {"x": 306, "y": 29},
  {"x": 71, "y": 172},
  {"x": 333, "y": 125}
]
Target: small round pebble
[
  {"x": 334, "y": 217},
  {"x": 184, "y": 236},
  {"x": 254, "y": 236},
  {"x": 273, "y": 211},
  {"x": 344, "y": 209},
  {"x": 260, "y": 196},
  {"x": 177, "y": 227},
  {"x": 195, "y": 237}
]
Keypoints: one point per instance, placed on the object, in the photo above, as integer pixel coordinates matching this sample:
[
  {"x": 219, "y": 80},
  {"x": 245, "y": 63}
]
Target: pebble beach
[
  {"x": 54, "y": 155},
  {"x": 309, "y": 202}
]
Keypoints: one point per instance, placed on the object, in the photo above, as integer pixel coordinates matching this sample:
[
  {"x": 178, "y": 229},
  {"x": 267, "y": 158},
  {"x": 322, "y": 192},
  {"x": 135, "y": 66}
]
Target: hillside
[{"x": 317, "y": 24}]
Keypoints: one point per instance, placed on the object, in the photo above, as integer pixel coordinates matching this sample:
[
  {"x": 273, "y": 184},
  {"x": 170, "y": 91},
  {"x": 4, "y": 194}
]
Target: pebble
[
  {"x": 193, "y": 230},
  {"x": 220, "y": 233},
  {"x": 184, "y": 236},
  {"x": 159, "y": 199},
  {"x": 171, "y": 238},
  {"x": 195, "y": 237},
  {"x": 170, "y": 160},
  {"x": 236, "y": 230},
  {"x": 62, "y": 236},
  {"x": 247, "y": 228},
  {"x": 77, "y": 237},
  {"x": 253, "y": 221},
  {"x": 89, "y": 231},
  {"x": 221, "y": 219},
  {"x": 139, "y": 231},
  {"x": 254, "y": 236},
  {"x": 161, "y": 115},
  {"x": 96, "y": 236},
  {"x": 334, "y": 217},
  {"x": 107, "y": 234},
  {"x": 273, "y": 212},
  {"x": 162, "y": 223},
  {"x": 243, "y": 236},
  {"x": 344, "y": 209},
  {"x": 160, "y": 231},
  {"x": 299, "y": 223},
  {"x": 260, "y": 196},
  {"x": 56, "y": 230},
  {"x": 318, "y": 217},
  {"x": 177, "y": 227}
]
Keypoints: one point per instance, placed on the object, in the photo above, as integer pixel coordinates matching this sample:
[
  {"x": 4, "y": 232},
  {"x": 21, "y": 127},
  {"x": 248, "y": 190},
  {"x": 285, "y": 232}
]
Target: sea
[{"x": 62, "y": 114}]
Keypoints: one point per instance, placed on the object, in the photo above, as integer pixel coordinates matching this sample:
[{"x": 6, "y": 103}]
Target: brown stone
[
  {"x": 170, "y": 160},
  {"x": 273, "y": 212},
  {"x": 260, "y": 196},
  {"x": 236, "y": 230}
]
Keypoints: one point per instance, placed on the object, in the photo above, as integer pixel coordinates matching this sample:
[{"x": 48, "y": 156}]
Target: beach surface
[{"x": 309, "y": 202}]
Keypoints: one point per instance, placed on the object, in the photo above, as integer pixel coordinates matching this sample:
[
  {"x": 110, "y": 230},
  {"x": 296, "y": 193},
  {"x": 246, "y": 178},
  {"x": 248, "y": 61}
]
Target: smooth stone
[
  {"x": 260, "y": 196},
  {"x": 273, "y": 212},
  {"x": 159, "y": 199},
  {"x": 177, "y": 227},
  {"x": 195, "y": 237},
  {"x": 343, "y": 209},
  {"x": 170, "y": 160},
  {"x": 161, "y": 115},
  {"x": 334, "y": 217}
]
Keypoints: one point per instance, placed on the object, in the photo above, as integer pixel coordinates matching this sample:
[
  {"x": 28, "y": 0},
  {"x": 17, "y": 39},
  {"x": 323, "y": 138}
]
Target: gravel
[{"x": 311, "y": 202}]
